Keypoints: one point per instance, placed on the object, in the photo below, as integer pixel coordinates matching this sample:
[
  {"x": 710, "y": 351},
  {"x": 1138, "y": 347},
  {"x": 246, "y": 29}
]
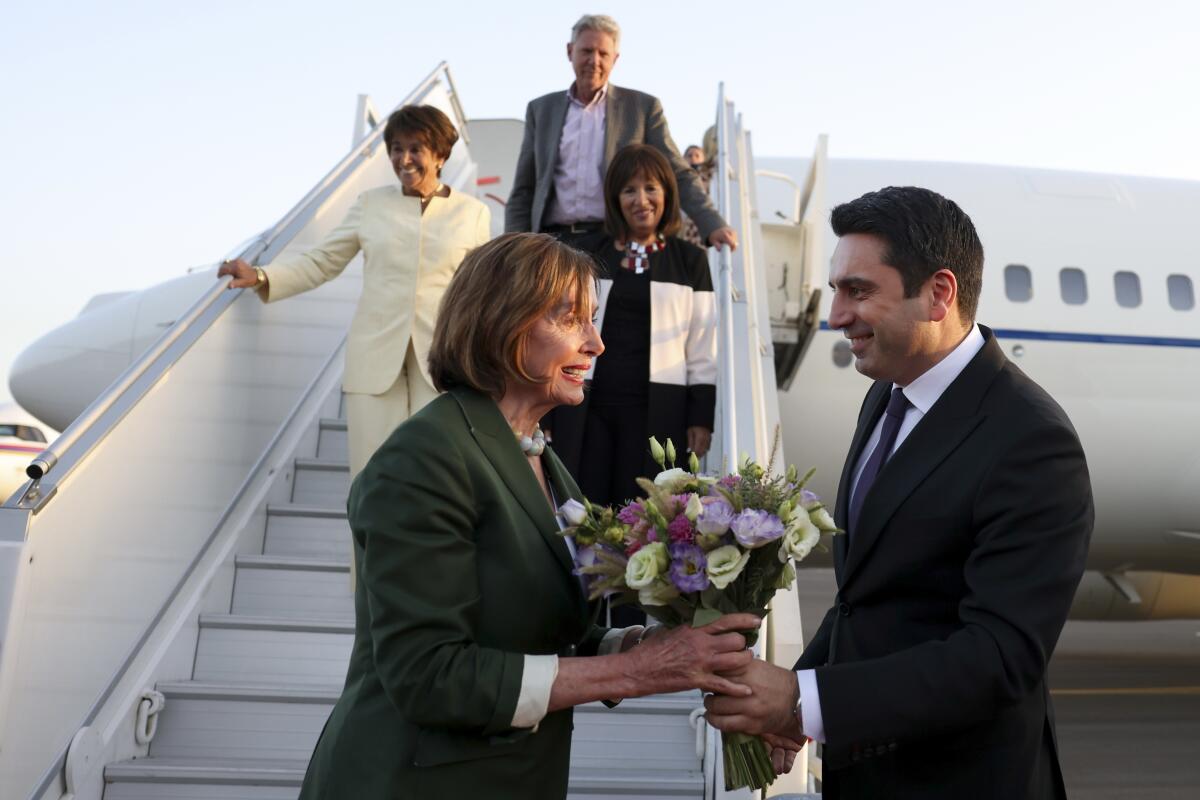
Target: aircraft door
[{"x": 796, "y": 265}]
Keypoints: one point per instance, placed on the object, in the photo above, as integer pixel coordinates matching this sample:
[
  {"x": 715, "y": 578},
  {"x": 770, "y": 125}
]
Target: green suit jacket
[{"x": 462, "y": 572}]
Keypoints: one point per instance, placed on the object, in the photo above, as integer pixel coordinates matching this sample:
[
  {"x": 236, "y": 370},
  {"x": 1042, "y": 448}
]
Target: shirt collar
[
  {"x": 599, "y": 98},
  {"x": 926, "y": 389}
]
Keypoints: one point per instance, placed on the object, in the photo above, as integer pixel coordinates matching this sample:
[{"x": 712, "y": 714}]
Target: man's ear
[
  {"x": 570, "y": 49},
  {"x": 943, "y": 294}
]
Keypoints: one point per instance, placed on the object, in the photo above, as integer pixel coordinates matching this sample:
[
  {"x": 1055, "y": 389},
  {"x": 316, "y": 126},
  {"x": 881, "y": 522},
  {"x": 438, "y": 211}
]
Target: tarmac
[{"x": 1126, "y": 698}]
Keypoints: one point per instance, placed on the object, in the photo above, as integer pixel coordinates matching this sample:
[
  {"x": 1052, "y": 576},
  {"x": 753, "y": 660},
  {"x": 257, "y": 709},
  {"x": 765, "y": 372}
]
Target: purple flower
[
  {"x": 688, "y": 564},
  {"x": 680, "y": 529},
  {"x": 808, "y": 499},
  {"x": 630, "y": 514},
  {"x": 715, "y": 518},
  {"x": 585, "y": 557},
  {"x": 730, "y": 481},
  {"x": 754, "y": 528}
]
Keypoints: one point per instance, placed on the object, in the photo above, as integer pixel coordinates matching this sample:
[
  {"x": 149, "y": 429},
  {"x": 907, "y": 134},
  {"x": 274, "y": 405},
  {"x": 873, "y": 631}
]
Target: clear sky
[{"x": 140, "y": 138}]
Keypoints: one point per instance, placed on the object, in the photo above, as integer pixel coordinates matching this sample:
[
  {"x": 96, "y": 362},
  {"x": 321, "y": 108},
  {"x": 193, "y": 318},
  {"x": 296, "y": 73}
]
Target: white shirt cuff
[
  {"x": 611, "y": 643},
  {"x": 537, "y": 678},
  {"x": 810, "y": 705}
]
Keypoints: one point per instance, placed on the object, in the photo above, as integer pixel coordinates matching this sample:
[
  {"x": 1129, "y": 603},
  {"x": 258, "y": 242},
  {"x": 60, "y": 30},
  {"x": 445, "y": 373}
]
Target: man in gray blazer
[{"x": 571, "y": 136}]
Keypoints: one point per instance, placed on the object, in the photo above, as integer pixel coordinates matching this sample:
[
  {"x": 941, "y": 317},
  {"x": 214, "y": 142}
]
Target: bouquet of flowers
[{"x": 697, "y": 547}]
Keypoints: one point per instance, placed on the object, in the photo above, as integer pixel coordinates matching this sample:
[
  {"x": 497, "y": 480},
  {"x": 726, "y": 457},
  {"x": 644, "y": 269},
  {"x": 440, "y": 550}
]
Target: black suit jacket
[{"x": 952, "y": 592}]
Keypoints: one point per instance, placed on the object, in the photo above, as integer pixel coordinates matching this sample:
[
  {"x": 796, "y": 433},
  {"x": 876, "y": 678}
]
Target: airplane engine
[{"x": 1130, "y": 596}]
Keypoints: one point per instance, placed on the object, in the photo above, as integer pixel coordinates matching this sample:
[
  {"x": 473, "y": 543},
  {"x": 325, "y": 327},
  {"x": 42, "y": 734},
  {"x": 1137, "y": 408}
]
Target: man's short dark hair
[{"x": 923, "y": 232}]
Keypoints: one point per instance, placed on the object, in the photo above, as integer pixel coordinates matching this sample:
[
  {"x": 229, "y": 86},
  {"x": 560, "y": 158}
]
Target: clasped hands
[{"x": 749, "y": 695}]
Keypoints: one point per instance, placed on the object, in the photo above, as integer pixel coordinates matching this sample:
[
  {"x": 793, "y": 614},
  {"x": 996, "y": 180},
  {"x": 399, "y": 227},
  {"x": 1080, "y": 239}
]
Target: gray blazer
[{"x": 631, "y": 117}]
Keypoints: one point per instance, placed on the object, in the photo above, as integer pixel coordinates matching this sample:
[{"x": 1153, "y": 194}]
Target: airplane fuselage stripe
[{"x": 1091, "y": 338}]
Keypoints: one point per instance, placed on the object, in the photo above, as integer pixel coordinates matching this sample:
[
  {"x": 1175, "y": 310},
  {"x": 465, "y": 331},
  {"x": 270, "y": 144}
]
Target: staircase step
[
  {"x": 332, "y": 441},
  {"x": 307, "y": 531},
  {"x": 237, "y": 648},
  {"x": 321, "y": 482},
  {"x": 195, "y": 778},
  {"x": 213, "y": 719},
  {"x": 292, "y": 587},
  {"x": 203, "y": 779}
]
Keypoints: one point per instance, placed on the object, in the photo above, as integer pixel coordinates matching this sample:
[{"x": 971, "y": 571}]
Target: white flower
[
  {"x": 573, "y": 512},
  {"x": 821, "y": 518},
  {"x": 799, "y": 539},
  {"x": 658, "y": 593},
  {"x": 694, "y": 507},
  {"x": 725, "y": 564},
  {"x": 673, "y": 479},
  {"x": 646, "y": 564},
  {"x": 786, "y": 577}
]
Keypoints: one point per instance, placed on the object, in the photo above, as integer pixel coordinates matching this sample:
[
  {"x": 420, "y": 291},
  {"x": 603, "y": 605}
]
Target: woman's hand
[
  {"x": 244, "y": 275},
  {"x": 699, "y": 440},
  {"x": 691, "y": 658}
]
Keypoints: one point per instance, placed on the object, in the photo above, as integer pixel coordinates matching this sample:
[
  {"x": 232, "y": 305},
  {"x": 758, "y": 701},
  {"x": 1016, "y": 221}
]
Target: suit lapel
[
  {"x": 872, "y": 410},
  {"x": 497, "y": 442},
  {"x": 612, "y": 124},
  {"x": 554, "y": 129},
  {"x": 947, "y": 425}
]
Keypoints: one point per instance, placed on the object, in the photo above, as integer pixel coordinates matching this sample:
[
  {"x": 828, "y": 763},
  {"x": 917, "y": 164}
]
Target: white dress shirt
[{"x": 921, "y": 394}]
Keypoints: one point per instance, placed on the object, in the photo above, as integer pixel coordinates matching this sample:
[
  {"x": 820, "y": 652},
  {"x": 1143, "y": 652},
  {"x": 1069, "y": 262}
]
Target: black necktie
[{"x": 893, "y": 415}]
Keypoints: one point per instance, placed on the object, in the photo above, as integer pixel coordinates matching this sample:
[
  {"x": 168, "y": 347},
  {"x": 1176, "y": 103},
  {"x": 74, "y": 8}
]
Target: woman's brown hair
[
  {"x": 629, "y": 163},
  {"x": 502, "y": 288},
  {"x": 426, "y": 123}
]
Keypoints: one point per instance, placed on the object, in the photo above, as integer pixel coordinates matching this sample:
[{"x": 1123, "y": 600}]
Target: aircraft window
[
  {"x": 30, "y": 434},
  {"x": 1018, "y": 283},
  {"x": 1073, "y": 284},
  {"x": 25, "y": 433},
  {"x": 1128, "y": 288},
  {"x": 1180, "y": 293}
]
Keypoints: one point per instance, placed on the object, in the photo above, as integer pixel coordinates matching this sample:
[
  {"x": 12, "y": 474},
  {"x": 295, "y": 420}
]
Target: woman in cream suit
[{"x": 413, "y": 237}]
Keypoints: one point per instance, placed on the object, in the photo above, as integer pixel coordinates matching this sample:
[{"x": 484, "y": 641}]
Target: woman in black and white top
[{"x": 656, "y": 312}]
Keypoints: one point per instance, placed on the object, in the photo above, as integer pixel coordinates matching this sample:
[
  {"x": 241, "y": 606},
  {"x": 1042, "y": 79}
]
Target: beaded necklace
[{"x": 637, "y": 256}]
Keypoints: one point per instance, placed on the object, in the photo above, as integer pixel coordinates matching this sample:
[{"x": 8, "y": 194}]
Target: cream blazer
[{"x": 408, "y": 260}]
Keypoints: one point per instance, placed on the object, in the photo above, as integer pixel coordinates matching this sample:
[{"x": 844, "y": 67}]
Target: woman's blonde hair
[{"x": 494, "y": 299}]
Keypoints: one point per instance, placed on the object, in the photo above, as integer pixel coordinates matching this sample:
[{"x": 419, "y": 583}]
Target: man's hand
[
  {"x": 699, "y": 440},
  {"x": 770, "y": 707},
  {"x": 783, "y": 751},
  {"x": 686, "y": 658},
  {"x": 725, "y": 235}
]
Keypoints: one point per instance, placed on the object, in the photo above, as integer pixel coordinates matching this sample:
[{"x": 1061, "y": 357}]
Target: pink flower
[
  {"x": 630, "y": 514},
  {"x": 633, "y": 548},
  {"x": 680, "y": 529}
]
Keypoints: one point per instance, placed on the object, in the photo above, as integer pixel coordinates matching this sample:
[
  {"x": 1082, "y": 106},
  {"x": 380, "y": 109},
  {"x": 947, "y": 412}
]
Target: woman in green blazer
[{"x": 474, "y": 638}]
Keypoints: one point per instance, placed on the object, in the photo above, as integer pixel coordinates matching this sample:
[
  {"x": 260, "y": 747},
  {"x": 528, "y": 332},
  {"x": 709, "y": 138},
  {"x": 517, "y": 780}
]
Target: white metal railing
[
  {"x": 748, "y": 402},
  {"x": 134, "y": 490}
]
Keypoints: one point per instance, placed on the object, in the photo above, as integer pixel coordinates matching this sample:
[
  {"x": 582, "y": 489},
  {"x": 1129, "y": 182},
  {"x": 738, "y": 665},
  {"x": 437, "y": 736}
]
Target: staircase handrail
[{"x": 156, "y": 361}]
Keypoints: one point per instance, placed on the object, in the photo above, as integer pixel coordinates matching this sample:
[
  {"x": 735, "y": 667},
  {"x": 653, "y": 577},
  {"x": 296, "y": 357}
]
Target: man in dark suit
[
  {"x": 968, "y": 509},
  {"x": 572, "y": 136}
]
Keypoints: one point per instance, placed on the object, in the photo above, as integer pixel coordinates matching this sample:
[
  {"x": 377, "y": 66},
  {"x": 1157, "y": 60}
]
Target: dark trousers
[{"x": 614, "y": 457}]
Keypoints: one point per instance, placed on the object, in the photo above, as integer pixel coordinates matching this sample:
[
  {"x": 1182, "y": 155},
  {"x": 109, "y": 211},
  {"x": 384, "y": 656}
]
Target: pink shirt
[{"x": 579, "y": 172}]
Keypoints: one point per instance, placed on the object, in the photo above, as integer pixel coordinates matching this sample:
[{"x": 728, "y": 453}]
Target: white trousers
[{"x": 371, "y": 418}]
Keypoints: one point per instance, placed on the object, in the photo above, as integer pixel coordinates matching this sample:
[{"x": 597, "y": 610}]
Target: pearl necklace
[{"x": 532, "y": 445}]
